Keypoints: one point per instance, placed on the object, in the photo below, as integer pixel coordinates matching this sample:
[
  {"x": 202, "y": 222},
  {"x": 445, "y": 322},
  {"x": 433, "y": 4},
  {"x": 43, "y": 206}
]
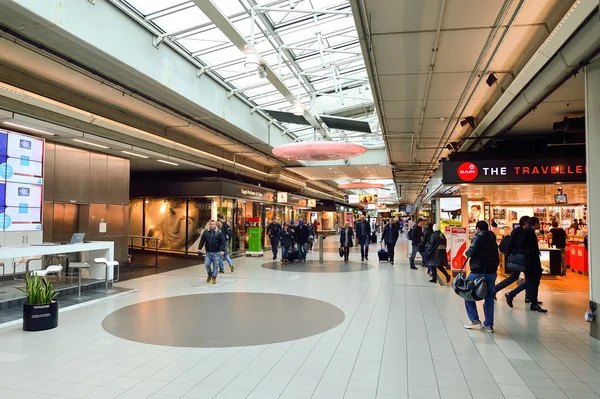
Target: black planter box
[{"x": 40, "y": 317}]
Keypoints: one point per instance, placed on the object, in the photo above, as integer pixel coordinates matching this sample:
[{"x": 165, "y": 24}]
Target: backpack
[
  {"x": 226, "y": 230},
  {"x": 409, "y": 235}
]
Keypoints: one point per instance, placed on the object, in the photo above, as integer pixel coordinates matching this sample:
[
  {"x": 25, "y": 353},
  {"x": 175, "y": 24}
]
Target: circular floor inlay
[
  {"x": 313, "y": 266},
  {"x": 223, "y": 320}
]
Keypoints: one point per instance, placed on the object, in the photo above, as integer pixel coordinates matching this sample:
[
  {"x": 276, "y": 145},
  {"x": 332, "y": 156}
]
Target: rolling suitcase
[
  {"x": 293, "y": 255},
  {"x": 373, "y": 238},
  {"x": 383, "y": 254}
]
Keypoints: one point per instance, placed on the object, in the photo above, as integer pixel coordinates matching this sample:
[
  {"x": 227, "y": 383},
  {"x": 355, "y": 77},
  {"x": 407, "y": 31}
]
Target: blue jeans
[
  {"x": 227, "y": 257},
  {"x": 488, "y": 302},
  {"x": 415, "y": 249},
  {"x": 211, "y": 261},
  {"x": 284, "y": 252},
  {"x": 302, "y": 248}
]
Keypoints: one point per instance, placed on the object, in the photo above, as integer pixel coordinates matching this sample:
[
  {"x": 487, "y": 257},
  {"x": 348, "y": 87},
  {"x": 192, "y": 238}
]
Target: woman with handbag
[
  {"x": 484, "y": 264},
  {"x": 436, "y": 253},
  {"x": 346, "y": 240}
]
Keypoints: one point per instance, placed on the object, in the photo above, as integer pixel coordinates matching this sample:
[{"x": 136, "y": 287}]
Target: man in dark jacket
[
  {"x": 287, "y": 241},
  {"x": 416, "y": 234},
  {"x": 273, "y": 231},
  {"x": 427, "y": 232},
  {"x": 215, "y": 248},
  {"x": 363, "y": 233},
  {"x": 559, "y": 240},
  {"x": 510, "y": 247},
  {"x": 302, "y": 240},
  {"x": 528, "y": 246},
  {"x": 484, "y": 263},
  {"x": 390, "y": 237}
]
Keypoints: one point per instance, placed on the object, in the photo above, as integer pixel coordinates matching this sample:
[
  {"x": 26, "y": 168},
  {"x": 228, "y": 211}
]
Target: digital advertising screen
[{"x": 21, "y": 182}]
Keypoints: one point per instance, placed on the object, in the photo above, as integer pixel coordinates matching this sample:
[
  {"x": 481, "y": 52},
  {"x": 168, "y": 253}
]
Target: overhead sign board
[
  {"x": 311, "y": 203},
  {"x": 353, "y": 199},
  {"x": 367, "y": 199},
  {"x": 282, "y": 198},
  {"x": 515, "y": 171}
]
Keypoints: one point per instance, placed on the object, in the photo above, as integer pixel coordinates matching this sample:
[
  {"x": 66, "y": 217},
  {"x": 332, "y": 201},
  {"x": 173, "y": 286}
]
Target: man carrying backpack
[{"x": 227, "y": 235}]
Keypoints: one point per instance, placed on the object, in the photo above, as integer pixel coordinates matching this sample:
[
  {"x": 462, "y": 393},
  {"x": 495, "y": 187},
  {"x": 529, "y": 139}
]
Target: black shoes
[
  {"x": 527, "y": 300},
  {"x": 413, "y": 267},
  {"x": 274, "y": 257},
  {"x": 433, "y": 281},
  {"x": 538, "y": 308},
  {"x": 362, "y": 259},
  {"x": 391, "y": 262},
  {"x": 509, "y": 299},
  {"x": 448, "y": 279}
]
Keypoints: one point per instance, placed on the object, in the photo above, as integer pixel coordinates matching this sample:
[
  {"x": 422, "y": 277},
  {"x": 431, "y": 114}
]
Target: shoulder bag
[{"x": 469, "y": 290}]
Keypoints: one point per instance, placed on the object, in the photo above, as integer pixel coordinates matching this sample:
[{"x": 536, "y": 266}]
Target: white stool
[
  {"x": 80, "y": 266},
  {"x": 27, "y": 261},
  {"x": 107, "y": 264},
  {"x": 52, "y": 269}
]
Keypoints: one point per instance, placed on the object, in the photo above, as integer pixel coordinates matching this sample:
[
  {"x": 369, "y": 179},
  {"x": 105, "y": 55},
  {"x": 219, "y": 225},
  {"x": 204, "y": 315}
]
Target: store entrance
[{"x": 559, "y": 207}]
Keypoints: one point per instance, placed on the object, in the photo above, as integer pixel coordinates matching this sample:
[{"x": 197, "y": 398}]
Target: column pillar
[{"x": 592, "y": 138}]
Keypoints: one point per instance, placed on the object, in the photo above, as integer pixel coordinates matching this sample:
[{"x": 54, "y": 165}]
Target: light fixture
[
  {"x": 453, "y": 146},
  {"x": 491, "y": 79},
  {"x": 298, "y": 109},
  {"x": 134, "y": 154},
  {"x": 252, "y": 61},
  {"x": 168, "y": 162},
  {"x": 92, "y": 144},
  {"x": 262, "y": 72},
  {"x": 28, "y": 128},
  {"x": 442, "y": 118}
]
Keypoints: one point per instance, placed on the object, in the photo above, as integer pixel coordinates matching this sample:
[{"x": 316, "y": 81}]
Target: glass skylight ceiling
[{"x": 316, "y": 54}]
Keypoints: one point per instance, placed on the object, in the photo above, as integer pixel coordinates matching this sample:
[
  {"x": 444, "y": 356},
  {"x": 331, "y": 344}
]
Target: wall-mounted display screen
[
  {"x": 21, "y": 182},
  {"x": 560, "y": 198}
]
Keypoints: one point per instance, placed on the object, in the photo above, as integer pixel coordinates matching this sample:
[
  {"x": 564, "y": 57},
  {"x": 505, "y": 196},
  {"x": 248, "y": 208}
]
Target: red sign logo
[{"x": 467, "y": 171}]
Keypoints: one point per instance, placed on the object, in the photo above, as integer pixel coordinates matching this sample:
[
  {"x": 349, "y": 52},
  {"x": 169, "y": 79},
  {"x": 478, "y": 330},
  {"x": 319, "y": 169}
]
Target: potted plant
[{"x": 40, "y": 311}]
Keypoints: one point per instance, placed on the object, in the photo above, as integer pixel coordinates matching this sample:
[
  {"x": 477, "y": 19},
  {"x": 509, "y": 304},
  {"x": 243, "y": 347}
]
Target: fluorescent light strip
[
  {"x": 133, "y": 154},
  {"x": 92, "y": 144},
  {"x": 28, "y": 128},
  {"x": 167, "y": 162}
]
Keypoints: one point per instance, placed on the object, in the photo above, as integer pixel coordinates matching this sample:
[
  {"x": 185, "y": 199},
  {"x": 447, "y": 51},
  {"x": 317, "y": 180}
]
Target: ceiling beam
[{"x": 224, "y": 24}]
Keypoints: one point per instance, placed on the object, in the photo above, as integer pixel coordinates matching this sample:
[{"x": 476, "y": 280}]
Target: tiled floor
[{"x": 402, "y": 338}]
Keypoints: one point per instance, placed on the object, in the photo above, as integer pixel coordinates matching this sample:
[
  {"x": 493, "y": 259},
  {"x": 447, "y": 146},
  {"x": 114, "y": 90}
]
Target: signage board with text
[{"x": 515, "y": 171}]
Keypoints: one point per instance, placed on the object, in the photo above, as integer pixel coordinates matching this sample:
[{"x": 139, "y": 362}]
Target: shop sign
[
  {"x": 515, "y": 171},
  {"x": 311, "y": 203},
  {"x": 458, "y": 247},
  {"x": 487, "y": 212},
  {"x": 251, "y": 193},
  {"x": 367, "y": 199},
  {"x": 282, "y": 198},
  {"x": 353, "y": 199}
]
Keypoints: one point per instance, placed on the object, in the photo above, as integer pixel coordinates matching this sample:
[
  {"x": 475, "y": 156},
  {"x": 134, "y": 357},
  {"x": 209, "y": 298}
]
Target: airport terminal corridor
[{"x": 382, "y": 332}]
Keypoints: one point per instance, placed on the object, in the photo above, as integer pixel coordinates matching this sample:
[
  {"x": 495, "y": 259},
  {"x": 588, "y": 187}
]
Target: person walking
[
  {"x": 515, "y": 236},
  {"x": 559, "y": 239},
  {"x": 302, "y": 240},
  {"x": 416, "y": 233},
  {"x": 316, "y": 226},
  {"x": 286, "y": 241},
  {"x": 311, "y": 236},
  {"x": 484, "y": 263},
  {"x": 436, "y": 253},
  {"x": 528, "y": 246},
  {"x": 346, "y": 240},
  {"x": 363, "y": 233},
  {"x": 273, "y": 230},
  {"x": 214, "y": 241},
  {"x": 427, "y": 233},
  {"x": 390, "y": 235},
  {"x": 227, "y": 234}
]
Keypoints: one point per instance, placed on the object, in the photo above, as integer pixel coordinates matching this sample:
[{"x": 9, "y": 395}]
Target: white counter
[{"x": 91, "y": 250}]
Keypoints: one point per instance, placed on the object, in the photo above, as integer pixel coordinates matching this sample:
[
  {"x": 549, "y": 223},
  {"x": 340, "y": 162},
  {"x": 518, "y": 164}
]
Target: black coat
[
  {"x": 273, "y": 230},
  {"x": 416, "y": 234},
  {"x": 524, "y": 241},
  {"x": 436, "y": 249},
  {"x": 302, "y": 234},
  {"x": 215, "y": 242},
  {"x": 425, "y": 239},
  {"x": 483, "y": 253},
  {"x": 363, "y": 231},
  {"x": 385, "y": 237},
  {"x": 285, "y": 238},
  {"x": 350, "y": 243}
]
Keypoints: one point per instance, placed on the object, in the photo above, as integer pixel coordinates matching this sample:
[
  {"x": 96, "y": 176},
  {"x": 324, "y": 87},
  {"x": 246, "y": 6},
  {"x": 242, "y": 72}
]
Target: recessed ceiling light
[
  {"x": 329, "y": 168},
  {"x": 92, "y": 144},
  {"x": 168, "y": 162},
  {"x": 28, "y": 128},
  {"x": 442, "y": 118},
  {"x": 134, "y": 154}
]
